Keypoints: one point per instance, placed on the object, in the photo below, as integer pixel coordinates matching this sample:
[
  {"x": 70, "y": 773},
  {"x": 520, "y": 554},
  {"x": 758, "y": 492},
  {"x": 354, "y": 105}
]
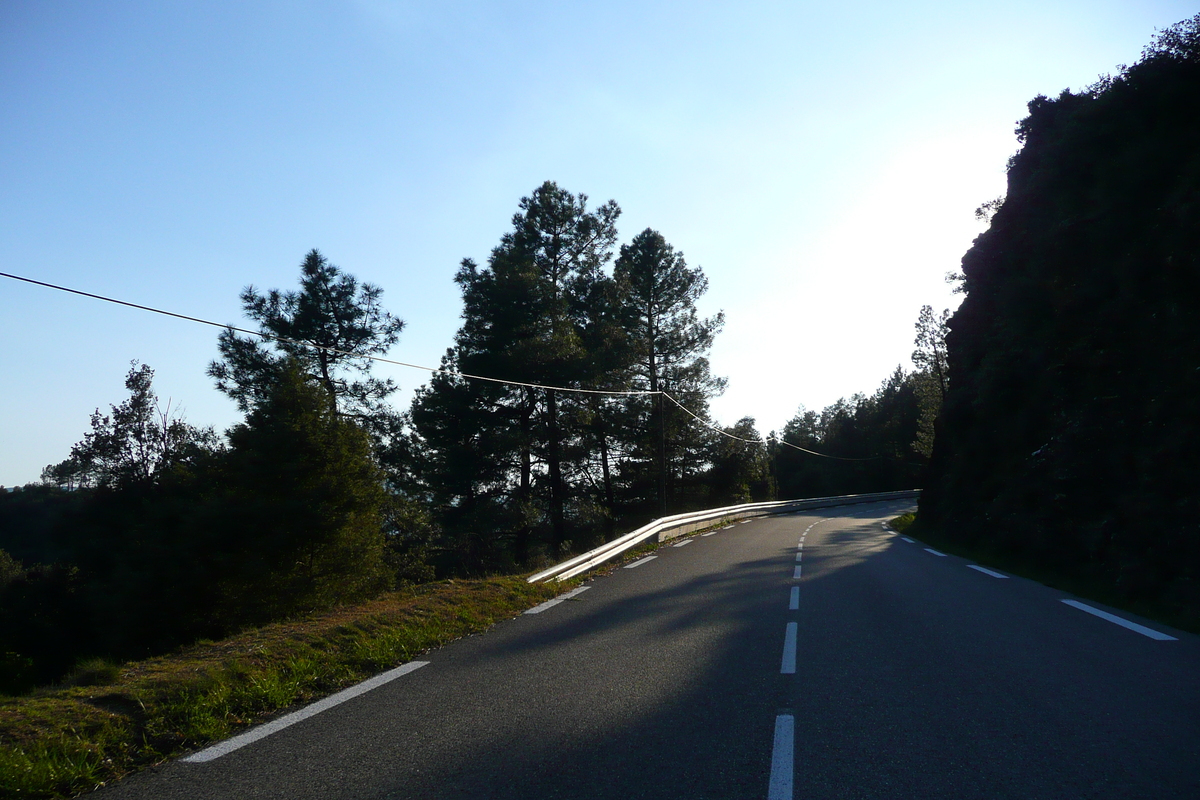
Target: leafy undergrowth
[
  {"x": 1082, "y": 585},
  {"x": 62, "y": 741}
]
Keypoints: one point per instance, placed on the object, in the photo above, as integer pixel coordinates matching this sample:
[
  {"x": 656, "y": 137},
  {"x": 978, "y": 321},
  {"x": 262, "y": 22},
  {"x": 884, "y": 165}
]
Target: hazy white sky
[{"x": 820, "y": 161}]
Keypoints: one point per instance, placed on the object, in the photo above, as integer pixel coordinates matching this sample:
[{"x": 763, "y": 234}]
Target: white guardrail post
[{"x": 679, "y": 524}]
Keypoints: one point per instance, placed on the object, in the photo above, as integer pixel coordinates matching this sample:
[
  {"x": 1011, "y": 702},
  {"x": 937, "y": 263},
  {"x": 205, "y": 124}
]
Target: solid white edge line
[
  {"x": 555, "y": 601},
  {"x": 796, "y": 574},
  {"x": 783, "y": 758},
  {"x": 263, "y": 731},
  {"x": 986, "y": 571},
  {"x": 788, "y": 665},
  {"x": 935, "y": 552},
  {"x": 1124, "y": 623},
  {"x": 640, "y": 561},
  {"x": 794, "y": 599},
  {"x": 685, "y": 541}
]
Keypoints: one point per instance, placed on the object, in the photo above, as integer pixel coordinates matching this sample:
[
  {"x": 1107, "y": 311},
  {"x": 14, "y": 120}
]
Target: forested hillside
[{"x": 1070, "y": 436}]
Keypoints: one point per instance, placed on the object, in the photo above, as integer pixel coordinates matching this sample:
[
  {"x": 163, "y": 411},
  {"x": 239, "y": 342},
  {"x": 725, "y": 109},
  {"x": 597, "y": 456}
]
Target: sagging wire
[{"x": 442, "y": 370}]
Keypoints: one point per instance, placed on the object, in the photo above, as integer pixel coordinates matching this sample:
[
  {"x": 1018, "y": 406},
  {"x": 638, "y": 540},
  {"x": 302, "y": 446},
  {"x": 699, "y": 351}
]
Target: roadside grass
[
  {"x": 108, "y": 720},
  {"x": 1081, "y": 585}
]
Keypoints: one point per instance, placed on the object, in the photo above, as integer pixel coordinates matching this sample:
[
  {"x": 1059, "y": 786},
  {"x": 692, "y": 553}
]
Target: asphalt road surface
[{"x": 809, "y": 656}]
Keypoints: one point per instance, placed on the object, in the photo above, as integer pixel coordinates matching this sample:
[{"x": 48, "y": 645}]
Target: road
[{"x": 754, "y": 663}]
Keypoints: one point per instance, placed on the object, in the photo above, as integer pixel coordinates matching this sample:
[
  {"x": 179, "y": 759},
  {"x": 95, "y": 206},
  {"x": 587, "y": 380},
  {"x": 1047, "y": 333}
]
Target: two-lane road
[{"x": 910, "y": 675}]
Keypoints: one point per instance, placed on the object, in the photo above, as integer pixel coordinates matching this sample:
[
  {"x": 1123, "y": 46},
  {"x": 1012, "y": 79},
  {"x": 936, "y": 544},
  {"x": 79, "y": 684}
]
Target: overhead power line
[
  {"x": 764, "y": 440},
  {"x": 443, "y": 370}
]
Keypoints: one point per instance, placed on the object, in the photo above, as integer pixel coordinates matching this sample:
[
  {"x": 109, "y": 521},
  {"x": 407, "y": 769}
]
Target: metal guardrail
[{"x": 679, "y": 524}]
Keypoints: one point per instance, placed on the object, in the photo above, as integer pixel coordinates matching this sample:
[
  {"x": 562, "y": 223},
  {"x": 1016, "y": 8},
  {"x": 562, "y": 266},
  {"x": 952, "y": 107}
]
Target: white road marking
[
  {"x": 910, "y": 541},
  {"x": 1124, "y": 623},
  {"x": 935, "y": 552},
  {"x": 783, "y": 758},
  {"x": 727, "y": 527},
  {"x": 685, "y": 541},
  {"x": 796, "y": 574},
  {"x": 552, "y": 603},
  {"x": 747, "y": 520},
  {"x": 798, "y": 555},
  {"x": 714, "y": 533},
  {"x": 987, "y": 571},
  {"x": 788, "y": 665},
  {"x": 640, "y": 561},
  {"x": 794, "y": 600},
  {"x": 263, "y": 731}
]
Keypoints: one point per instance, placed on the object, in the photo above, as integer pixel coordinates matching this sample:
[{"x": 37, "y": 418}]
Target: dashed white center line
[
  {"x": 552, "y": 603},
  {"x": 1124, "y": 623},
  {"x": 714, "y": 533},
  {"x": 910, "y": 541},
  {"x": 640, "y": 561},
  {"x": 727, "y": 527},
  {"x": 794, "y": 600},
  {"x": 747, "y": 520},
  {"x": 685, "y": 541},
  {"x": 987, "y": 571},
  {"x": 788, "y": 665},
  {"x": 798, "y": 555},
  {"x": 783, "y": 758},
  {"x": 935, "y": 552},
  {"x": 796, "y": 574}
]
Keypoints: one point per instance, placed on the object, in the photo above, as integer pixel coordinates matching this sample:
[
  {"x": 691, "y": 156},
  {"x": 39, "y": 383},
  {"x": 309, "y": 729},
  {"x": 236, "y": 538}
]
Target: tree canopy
[{"x": 329, "y": 327}]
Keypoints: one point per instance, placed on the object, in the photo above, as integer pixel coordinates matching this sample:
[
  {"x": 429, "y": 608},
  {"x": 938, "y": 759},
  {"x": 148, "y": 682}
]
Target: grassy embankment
[
  {"x": 107, "y": 720},
  {"x": 1081, "y": 585}
]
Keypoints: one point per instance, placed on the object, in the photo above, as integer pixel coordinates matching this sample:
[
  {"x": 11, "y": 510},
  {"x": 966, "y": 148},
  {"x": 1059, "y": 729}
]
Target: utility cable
[
  {"x": 762, "y": 441},
  {"x": 443, "y": 370},
  {"x": 326, "y": 348}
]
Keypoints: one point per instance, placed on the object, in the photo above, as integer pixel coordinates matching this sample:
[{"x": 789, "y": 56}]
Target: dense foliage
[
  {"x": 288, "y": 517},
  {"x": 871, "y": 443},
  {"x": 514, "y": 471},
  {"x": 1071, "y": 430}
]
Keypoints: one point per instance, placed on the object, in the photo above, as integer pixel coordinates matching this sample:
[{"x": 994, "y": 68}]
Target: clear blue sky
[{"x": 820, "y": 161}]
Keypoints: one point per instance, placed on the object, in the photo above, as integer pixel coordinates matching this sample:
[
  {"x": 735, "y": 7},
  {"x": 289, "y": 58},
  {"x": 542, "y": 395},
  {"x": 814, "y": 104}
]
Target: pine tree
[
  {"x": 525, "y": 320},
  {"x": 670, "y": 343},
  {"x": 330, "y": 328}
]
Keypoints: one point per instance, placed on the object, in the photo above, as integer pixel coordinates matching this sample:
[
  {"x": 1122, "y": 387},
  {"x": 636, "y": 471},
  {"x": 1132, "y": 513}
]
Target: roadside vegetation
[
  {"x": 105, "y": 720},
  {"x": 1069, "y": 441}
]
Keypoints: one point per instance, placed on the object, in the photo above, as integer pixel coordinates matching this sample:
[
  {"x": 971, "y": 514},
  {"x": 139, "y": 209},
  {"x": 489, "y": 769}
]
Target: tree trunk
[
  {"x": 604, "y": 471},
  {"x": 554, "y": 466},
  {"x": 525, "y": 488}
]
